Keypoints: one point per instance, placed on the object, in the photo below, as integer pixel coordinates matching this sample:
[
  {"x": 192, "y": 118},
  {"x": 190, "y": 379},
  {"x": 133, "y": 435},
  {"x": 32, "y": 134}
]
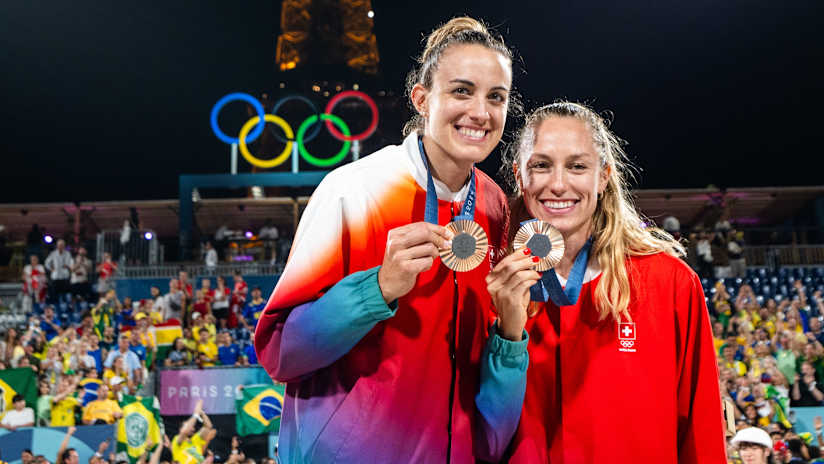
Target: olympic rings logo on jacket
[{"x": 258, "y": 122}]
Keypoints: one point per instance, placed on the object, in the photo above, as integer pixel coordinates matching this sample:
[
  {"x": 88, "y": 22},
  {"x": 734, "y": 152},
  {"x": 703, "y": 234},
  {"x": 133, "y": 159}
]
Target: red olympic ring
[{"x": 352, "y": 94}]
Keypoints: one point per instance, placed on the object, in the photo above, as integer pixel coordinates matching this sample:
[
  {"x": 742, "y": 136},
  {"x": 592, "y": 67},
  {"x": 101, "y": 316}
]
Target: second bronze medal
[{"x": 544, "y": 241}]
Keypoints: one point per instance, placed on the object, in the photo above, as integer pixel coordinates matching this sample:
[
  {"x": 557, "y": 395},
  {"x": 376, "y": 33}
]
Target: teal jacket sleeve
[
  {"x": 501, "y": 395},
  {"x": 318, "y": 333}
]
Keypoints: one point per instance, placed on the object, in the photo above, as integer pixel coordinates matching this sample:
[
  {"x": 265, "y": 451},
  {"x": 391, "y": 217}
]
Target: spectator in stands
[
  {"x": 220, "y": 304},
  {"x": 29, "y": 356},
  {"x": 80, "y": 358},
  {"x": 735, "y": 251},
  {"x": 108, "y": 340},
  {"x": 703, "y": 251},
  {"x": 118, "y": 371},
  {"x": 179, "y": 356},
  {"x": 210, "y": 257},
  {"x": 65, "y": 403},
  {"x": 208, "y": 291},
  {"x": 137, "y": 347},
  {"x": 52, "y": 365},
  {"x": 190, "y": 342},
  {"x": 124, "y": 315},
  {"x": 59, "y": 264},
  {"x": 806, "y": 390},
  {"x": 185, "y": 285},
  {"x": 249, "y": 354},
  {"x": 175, "y": 302},
  {"x": 81, "y": 268},
  {"x": 157, "y": 301},
  {"x": 206, "y": 349},
  {"x": 145, "y": 333},
  {"x": 189, "y": 447},
  {"x": 239, "y": 292},
  {"x": 753, "y": 444},
  {"x": 201, "y": 305},
  {"x": 105, "y": 273},
  {"x": 43, "y": 406},
  {"x": 104, "y": 312},
  {"x": 228, "y": 352},
  {"x": 253, "y": 310},
  {"x": 102, "y": 410},
  {"x": 20, "y": 416},
  {"x": 720, "y": 255},
  {"x": 34, "y": 283},
  {"x": 67, "y": 455},
  {"x": 48, "y": 325},
  {"x": 131, "y": 361},
  {"x": 815, "y": 329},
  {"x": 86, "y": 324},
  {"x": 10, "y": 348},
  {"x": 26, "y": 457}
]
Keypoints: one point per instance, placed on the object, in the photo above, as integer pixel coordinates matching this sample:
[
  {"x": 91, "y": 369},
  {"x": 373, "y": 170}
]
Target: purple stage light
[
  {"x": 48, "y": 238},
  {"x": 249, "y": 234},
  {"x": 148, "y": 235}
]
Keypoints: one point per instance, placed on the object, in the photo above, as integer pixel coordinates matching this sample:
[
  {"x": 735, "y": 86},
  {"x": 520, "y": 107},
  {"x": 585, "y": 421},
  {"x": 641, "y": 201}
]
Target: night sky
[{"x": 111, "y": 100}]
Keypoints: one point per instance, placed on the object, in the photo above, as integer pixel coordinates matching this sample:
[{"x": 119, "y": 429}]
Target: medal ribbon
[
  {"x": 549, "y": 288},
  {"x": 431, "y": 211}
]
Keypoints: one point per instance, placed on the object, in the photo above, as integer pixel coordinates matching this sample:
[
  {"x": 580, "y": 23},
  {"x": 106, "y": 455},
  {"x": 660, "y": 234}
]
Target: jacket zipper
[{"x": 452, "y": 355}]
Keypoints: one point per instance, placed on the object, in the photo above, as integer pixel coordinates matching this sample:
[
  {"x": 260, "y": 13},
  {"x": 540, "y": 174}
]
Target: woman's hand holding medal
[
  {"x": 410, "y": 250},
  {"x": 508, "y": 284}
]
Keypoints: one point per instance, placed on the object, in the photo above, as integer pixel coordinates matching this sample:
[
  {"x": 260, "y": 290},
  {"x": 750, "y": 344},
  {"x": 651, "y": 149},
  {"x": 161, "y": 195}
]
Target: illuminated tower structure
[{"x": 327, "y": 33}]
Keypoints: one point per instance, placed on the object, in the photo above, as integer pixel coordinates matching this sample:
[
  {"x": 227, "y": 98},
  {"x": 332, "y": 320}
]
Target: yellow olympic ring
[{"x": 283, "y": 156}]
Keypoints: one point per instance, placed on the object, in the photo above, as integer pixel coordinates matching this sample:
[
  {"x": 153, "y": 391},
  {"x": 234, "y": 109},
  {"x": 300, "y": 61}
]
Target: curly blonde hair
[{"x": 618, "y": 230}]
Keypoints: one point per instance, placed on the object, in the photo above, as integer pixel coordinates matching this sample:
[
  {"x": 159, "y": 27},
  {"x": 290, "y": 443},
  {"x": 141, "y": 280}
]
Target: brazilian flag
[
  {"x": 140, "y": 426},
  {"x": 20, "y": 380},
  {"x": 783, "y": 404},
  {"x": 90, "y": 387},
  {"x": 258, "y": 409}
]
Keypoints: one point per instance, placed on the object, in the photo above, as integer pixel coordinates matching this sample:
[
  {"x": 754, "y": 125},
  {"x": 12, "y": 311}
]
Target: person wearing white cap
[{"x": 754, "y": 445}]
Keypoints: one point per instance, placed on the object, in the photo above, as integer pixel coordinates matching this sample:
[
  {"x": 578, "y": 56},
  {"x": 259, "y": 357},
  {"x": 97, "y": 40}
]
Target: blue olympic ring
[{"x": 248, "y": 99}]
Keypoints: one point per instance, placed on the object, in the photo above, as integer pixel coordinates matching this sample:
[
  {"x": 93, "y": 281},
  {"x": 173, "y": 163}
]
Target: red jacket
[{"x": 640, "y": 392}]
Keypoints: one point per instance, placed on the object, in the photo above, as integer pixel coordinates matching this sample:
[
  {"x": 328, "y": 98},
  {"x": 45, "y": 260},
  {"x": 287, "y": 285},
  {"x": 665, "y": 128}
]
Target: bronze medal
[
  {"x": 469, "y": 246},
  {"x": 545, "y": 242}
]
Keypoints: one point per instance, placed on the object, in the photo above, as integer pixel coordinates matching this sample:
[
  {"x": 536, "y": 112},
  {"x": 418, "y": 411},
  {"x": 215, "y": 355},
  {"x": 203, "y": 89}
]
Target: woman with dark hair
[
  {"x": 622, "y": 366},
  {"x": 387, "y": 353}
]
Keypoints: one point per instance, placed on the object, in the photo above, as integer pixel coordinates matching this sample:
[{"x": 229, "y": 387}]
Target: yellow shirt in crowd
[
  {"x": 210, "y": 350},
  {"x": 62, "y": 412},
  {"x": 101, "y": 409},
  {"x": 189, "y": 451}
]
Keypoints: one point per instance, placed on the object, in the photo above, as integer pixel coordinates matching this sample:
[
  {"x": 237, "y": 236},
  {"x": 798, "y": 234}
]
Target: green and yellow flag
[
  {"x": 258, "y": 409},
  {"x": 13, "y": 381},
  {"x": 139, "y": 427}
]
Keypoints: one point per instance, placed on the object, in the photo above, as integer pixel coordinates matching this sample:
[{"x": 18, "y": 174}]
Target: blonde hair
[
  {"x": 619, "y": 230},
  {"x": 457, "y": 31}
]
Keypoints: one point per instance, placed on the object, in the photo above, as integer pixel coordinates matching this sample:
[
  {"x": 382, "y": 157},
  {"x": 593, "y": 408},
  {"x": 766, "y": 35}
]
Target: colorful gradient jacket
[
  {"x": 419, "y": 381},
  {"x": 639, "y": 392}
]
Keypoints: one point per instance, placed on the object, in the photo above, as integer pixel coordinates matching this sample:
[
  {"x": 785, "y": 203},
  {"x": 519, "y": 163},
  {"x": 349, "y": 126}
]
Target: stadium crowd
[
  {"x": 88, "y": 350},
  {"x": 89, "y": 345}
]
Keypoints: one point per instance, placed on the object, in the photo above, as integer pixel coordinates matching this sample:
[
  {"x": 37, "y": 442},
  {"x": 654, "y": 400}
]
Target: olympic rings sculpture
[{"x": 307, "y": 130}]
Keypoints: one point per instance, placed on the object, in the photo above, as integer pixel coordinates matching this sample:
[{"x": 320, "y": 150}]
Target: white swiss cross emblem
[{"x": 627, "y": 337}]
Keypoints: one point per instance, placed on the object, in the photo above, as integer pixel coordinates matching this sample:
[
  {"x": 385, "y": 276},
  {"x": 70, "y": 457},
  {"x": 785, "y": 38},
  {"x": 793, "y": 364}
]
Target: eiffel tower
[{"x": 327, "y": 34}]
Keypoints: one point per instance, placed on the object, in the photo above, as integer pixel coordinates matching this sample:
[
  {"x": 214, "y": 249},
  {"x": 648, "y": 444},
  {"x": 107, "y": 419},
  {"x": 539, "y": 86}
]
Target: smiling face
[
  {"x": 562, "y": 175},
  {"x": 465, "y": 108}
]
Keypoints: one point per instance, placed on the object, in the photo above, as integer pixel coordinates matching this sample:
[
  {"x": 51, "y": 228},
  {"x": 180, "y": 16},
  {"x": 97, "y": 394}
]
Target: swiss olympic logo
[{"x": 627, "y": 337}]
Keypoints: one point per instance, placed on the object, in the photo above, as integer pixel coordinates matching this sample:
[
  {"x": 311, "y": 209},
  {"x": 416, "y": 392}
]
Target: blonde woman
[
  {"x": 385, "y": 351},
  {"x": 622, "y": 367}
]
